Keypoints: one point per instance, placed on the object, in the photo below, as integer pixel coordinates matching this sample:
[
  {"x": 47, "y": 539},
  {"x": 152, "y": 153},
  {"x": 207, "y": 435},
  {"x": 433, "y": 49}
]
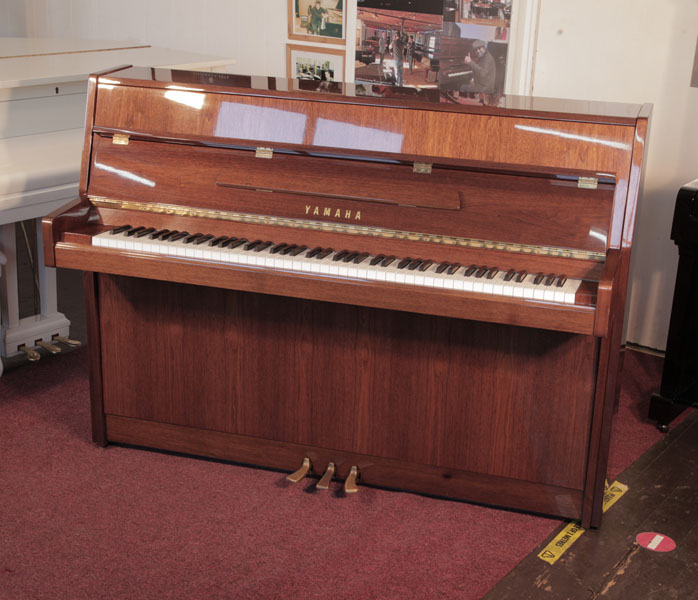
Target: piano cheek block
[{"x": 413, "y": 265}]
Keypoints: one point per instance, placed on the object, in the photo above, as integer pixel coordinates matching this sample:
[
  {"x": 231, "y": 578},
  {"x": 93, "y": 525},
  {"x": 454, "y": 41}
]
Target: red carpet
[{"x": 78, "y": 521}]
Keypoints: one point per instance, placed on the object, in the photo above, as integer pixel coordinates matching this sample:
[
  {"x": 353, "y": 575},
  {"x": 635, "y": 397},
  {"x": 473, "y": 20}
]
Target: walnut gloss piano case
[{"x": 458, "y": 383}]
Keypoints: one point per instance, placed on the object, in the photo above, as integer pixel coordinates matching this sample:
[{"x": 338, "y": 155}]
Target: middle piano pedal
[{"x": 324, "y": 483}]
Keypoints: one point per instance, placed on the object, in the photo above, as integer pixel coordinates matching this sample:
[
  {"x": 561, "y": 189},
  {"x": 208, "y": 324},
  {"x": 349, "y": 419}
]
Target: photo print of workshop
[{"x": 397, "y": 42}]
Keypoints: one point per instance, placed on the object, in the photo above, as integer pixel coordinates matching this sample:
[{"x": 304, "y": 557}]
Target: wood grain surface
[{"x": 462, "y": 395}]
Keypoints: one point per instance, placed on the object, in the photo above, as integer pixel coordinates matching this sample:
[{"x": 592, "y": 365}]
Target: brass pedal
[
  {"x": 67, "y": 341},
  {"x": 300, "y": 473},
  {"x": 32, "y": 355},
  {"x": 350, "y": 486},
  {"x": 52, "y": 348},
  {"x": 324, "y": 483}
]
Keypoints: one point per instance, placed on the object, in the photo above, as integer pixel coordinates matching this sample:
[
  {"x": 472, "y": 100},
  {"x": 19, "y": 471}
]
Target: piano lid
[{"x": 322, "y": 91}]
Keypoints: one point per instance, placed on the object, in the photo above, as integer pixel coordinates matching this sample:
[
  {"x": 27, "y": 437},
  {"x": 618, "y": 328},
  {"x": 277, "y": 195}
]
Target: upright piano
[
  {"x": 398, "y": 291},
  {"x": 43, "y": 89}
]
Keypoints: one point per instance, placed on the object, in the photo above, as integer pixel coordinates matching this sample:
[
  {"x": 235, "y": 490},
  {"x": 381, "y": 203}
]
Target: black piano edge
[{"x": 664, "y": 409}]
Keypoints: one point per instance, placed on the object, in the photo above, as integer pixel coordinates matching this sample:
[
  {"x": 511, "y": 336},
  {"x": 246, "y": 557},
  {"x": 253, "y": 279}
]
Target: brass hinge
[
  {"x": 263, "y": 152},
  {"x": 120, "y": 139},
  {"x": 420, "y": 167},
  {"x": 588, "y": 183}
]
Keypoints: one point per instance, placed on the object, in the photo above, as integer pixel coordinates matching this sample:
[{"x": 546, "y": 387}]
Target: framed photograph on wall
[
  {"x": 317, "y": 20},
  {"x": 314, "y": 63}
]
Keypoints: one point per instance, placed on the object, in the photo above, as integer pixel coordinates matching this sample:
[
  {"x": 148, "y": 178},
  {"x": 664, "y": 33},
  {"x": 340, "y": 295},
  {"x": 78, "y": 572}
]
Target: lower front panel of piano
[{"x": 478, "y": 411}]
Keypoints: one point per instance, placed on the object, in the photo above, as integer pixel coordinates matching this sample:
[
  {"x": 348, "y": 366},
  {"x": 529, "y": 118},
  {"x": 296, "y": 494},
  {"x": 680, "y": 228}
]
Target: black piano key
[
  {"x": 228, "y": 243},
  {"x": 219, "y": 240},
  {"x": 453, "y": 269},
  {"x": 340, "y": 255},
  {"x": 538, "y": 278},
  {"x": 324, "y": 254},
  {"x": 278, "y": 248},
  {"x": 521, "y": 276},
  {"x": 425, "y": 265},
  {"x": 253, "y": 245},
  {"x": 298, "y": 250},
  {"x": 388, "y": 260},
  {"x": 192, "y": 237},
  {"x": 549, "y": 279},
  {"x": 404, "y": 262},
  {"x": 134, "y": 231},
  {"x": 376, "y": 259},
  {"x": 203, "y": 240},
  {"x": 166, "y": 236},
  {"x": 414, "y": 264},
  {"x": 263, "y": 246},
  {"x": 120, "y": 229},
  {"x": 470, "y": 270},
  {"x": 289, "y": 249},
  {"x": 562, "y": 280},
  {"x": 238, "y": 243},
  {"x": 156, "y": 235},
  {"x": 145, "y": 232},
  {"x": 179, "y": 236},
  {"x": 361, "y": 258},
  {"x": 509, "y": 275},
  {"x": 442, "y": 267},
  {"x": 492, "y": 273},
  {"x": 349, "y": 257}
]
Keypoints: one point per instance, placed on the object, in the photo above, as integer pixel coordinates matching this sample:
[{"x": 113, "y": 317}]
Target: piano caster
[
  {"x": 324, "y": 483},
  {"x": 67, "y": 341},
  {"x": 350, "y": 486},
  {"x": 32, "y": 355},
  {"x": 52, "y": 348},
  {"x": 300, "y": 473}
]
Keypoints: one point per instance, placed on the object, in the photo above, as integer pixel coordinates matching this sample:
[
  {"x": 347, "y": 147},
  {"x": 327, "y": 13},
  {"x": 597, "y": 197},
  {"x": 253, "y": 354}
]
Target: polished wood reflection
[{"x": 493, "y": 399}]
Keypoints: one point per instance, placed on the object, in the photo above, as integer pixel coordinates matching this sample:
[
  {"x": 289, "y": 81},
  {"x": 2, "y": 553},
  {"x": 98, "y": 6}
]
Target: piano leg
[{"x": 44, "y": 326}]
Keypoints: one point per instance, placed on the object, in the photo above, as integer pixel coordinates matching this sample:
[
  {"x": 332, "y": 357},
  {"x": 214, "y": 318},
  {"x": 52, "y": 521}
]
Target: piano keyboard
[{"x": 342, "y": 263}]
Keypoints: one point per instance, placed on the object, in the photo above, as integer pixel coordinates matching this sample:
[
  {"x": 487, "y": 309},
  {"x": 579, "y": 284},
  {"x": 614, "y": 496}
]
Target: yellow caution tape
[
  {"x": 561, "y": 542},
  {"x": 612, "y": 494},
  {"x": 573, "y": 530}
]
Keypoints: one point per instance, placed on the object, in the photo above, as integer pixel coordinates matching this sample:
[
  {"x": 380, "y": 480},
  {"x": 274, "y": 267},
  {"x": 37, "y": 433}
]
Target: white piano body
[{"x": 43, "y": 86}]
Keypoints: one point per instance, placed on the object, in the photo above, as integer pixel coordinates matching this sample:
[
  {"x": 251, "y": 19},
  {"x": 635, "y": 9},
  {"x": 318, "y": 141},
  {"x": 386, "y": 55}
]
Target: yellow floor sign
[{"x": 571, "y": 533}]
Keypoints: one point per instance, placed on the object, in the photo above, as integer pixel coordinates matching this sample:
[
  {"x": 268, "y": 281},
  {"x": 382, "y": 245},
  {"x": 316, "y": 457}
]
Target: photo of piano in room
[
  {"x": 473, "y": 61},
  {"x": 491, "y": 12},
  {"x": 397, "y": 42}
]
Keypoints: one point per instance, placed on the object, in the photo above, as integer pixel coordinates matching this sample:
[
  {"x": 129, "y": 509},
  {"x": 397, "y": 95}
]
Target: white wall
[
  {"x": 609, "y": 50},
  {"x": 634, "y": 51},
  {"x": 251, "y": 31}
]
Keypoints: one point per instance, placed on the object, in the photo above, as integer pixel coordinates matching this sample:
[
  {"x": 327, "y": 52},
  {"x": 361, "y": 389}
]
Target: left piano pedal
[
  {"x": 296, "y": 476},
  {"x": 31, "y": 354}
]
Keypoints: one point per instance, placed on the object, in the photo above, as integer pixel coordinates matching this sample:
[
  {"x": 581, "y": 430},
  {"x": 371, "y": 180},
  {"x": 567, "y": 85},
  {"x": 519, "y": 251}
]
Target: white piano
[{"x": 43, "y": 85}]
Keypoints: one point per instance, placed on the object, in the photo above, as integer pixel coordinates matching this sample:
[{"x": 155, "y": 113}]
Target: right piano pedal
[
  {"x": 67, "y": 341},
  {"x": 350, "y": 486}
]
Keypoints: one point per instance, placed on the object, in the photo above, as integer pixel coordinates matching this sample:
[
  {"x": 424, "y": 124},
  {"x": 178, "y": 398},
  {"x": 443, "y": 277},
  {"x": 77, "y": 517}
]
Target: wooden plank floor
[{"x": 608, "y": 563}]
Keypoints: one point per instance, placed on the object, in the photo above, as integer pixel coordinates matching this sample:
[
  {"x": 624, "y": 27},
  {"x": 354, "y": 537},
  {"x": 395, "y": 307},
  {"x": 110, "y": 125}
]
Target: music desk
[{"x": 43, "y": 86}]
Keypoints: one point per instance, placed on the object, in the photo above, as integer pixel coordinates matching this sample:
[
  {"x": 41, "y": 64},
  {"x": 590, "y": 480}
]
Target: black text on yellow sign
[{"x": 573, "y": 530}]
